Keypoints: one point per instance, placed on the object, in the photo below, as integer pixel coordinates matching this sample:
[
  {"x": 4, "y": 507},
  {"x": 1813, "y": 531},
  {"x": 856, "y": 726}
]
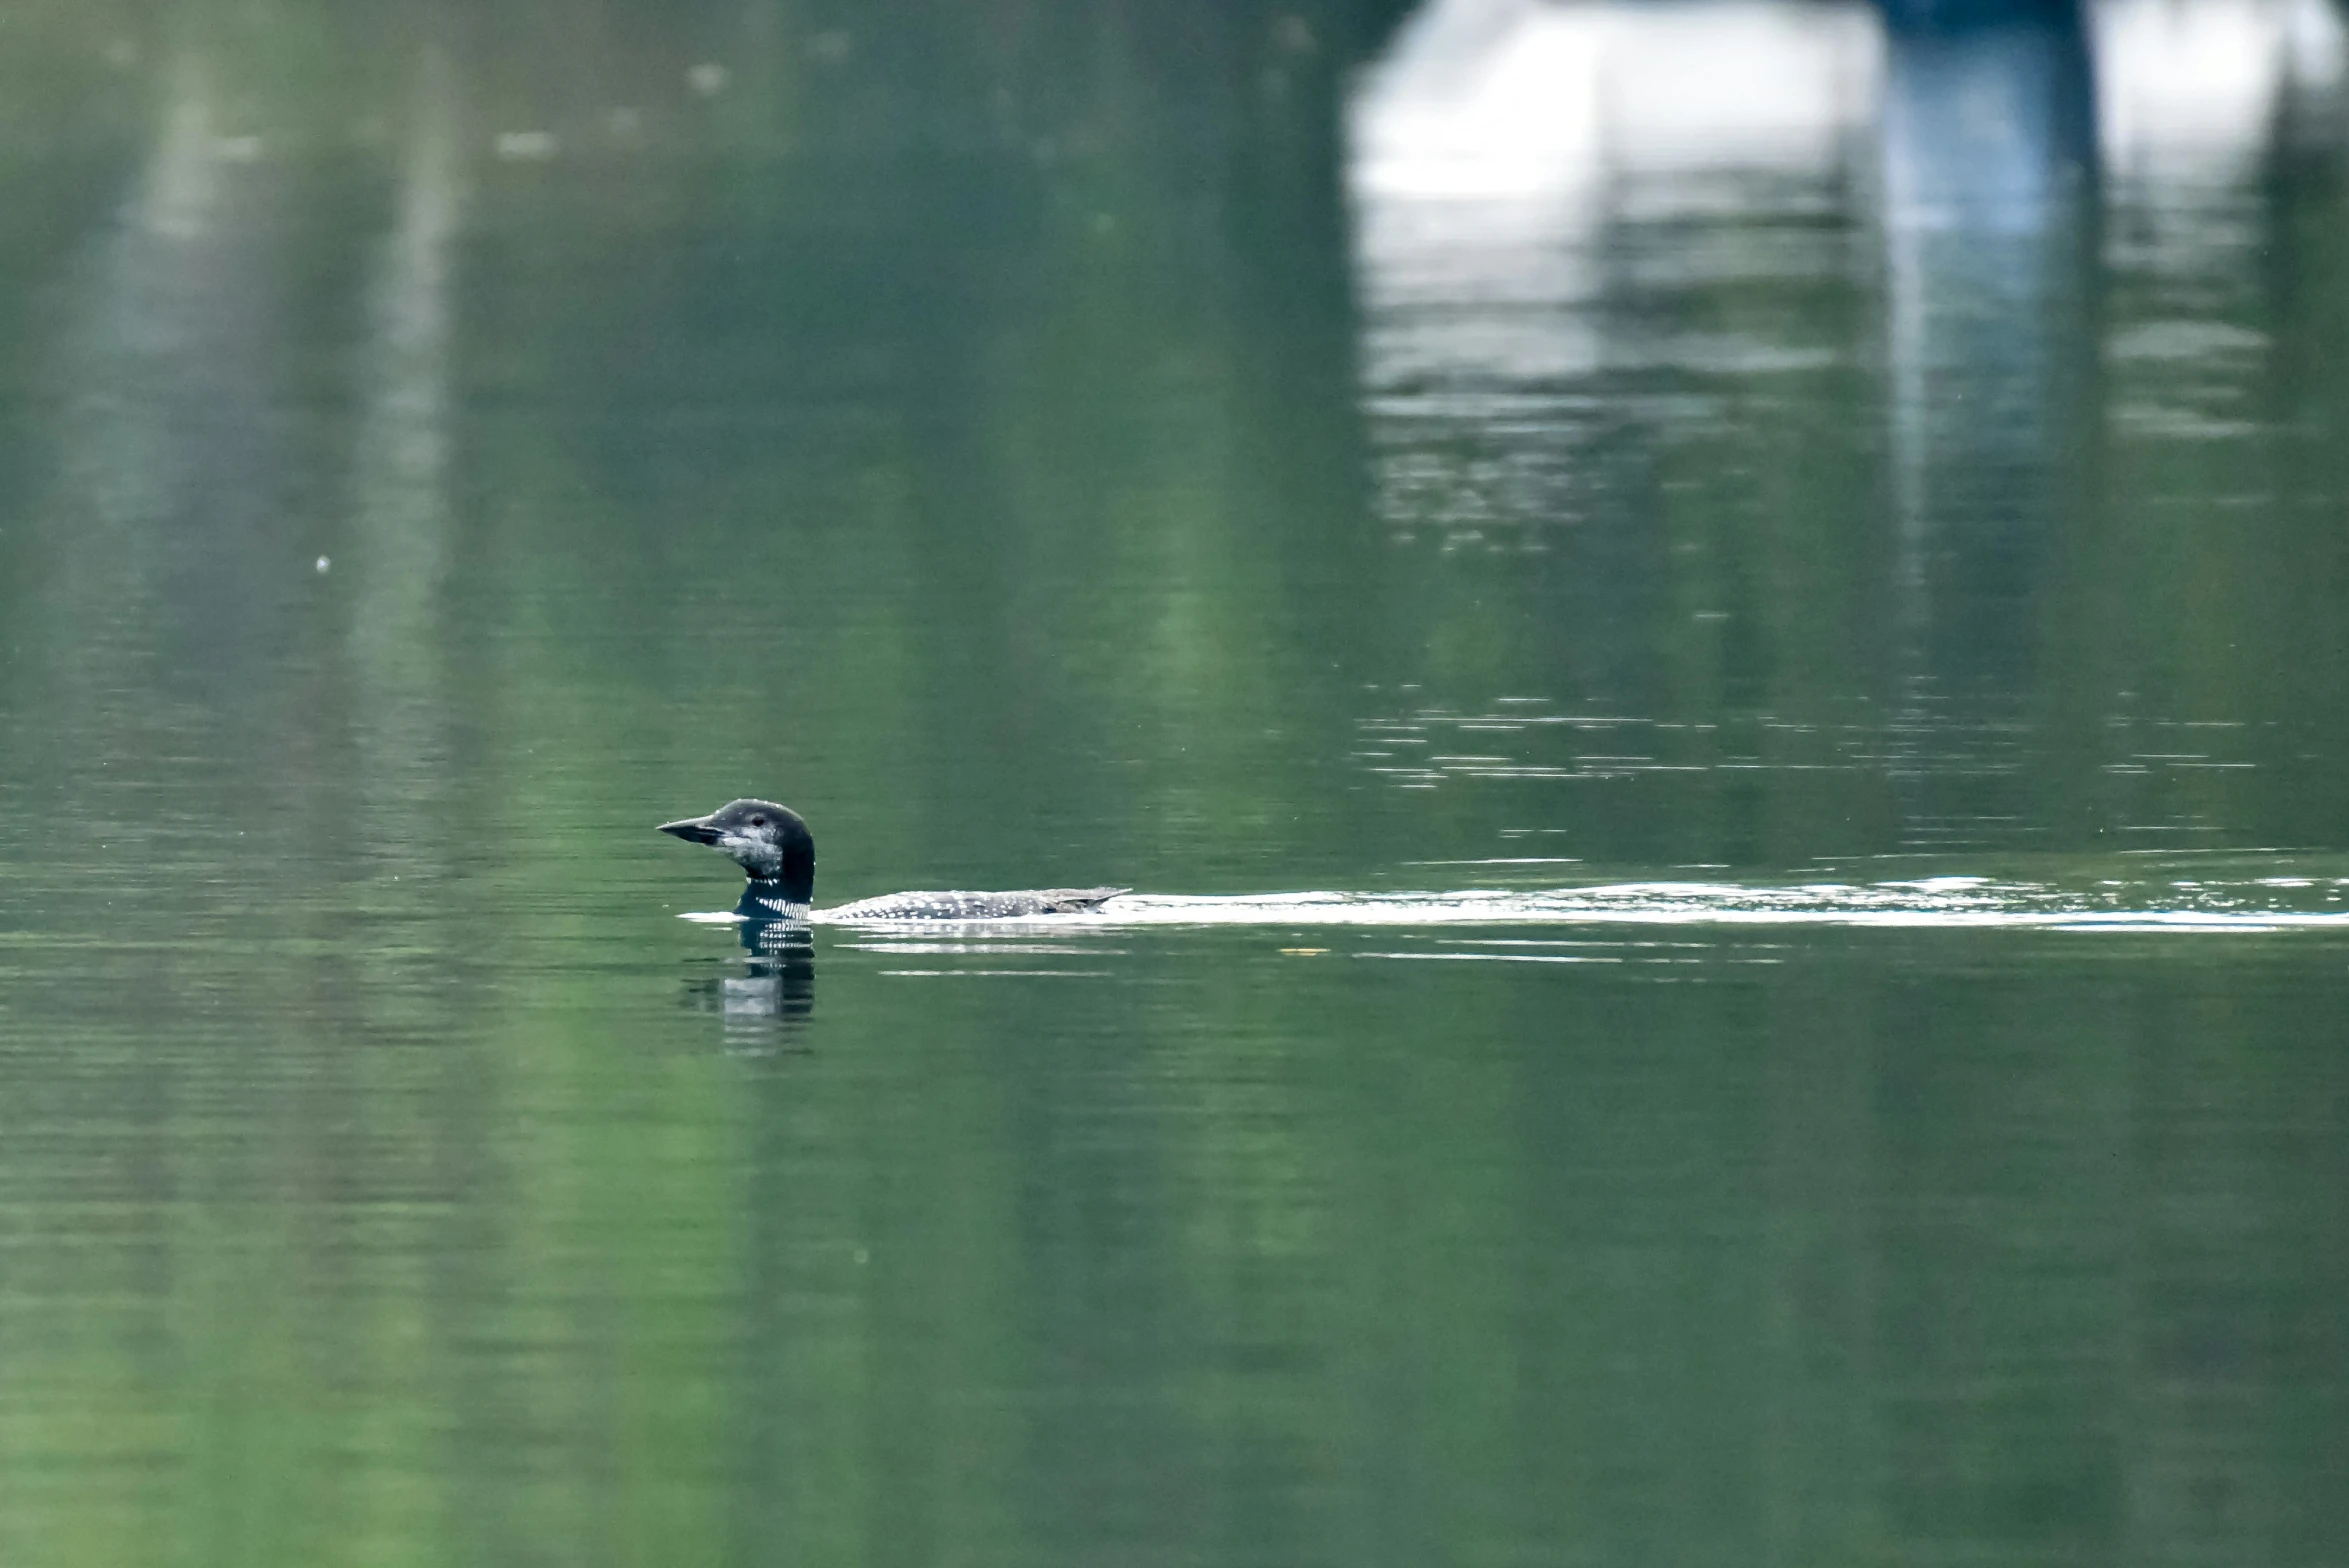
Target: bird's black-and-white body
[{"x": 776, "y": 852}]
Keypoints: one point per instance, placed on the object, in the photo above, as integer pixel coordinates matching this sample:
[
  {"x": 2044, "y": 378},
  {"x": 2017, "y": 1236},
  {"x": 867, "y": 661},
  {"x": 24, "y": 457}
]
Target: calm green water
[{"x": 1806, "y": 665}]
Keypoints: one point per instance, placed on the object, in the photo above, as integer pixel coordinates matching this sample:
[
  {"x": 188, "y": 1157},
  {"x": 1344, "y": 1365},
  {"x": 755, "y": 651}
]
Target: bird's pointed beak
[{"x": 696, "y": 829}]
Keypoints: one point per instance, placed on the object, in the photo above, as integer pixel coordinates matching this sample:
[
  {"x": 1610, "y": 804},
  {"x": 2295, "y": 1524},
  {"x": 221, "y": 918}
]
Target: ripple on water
[{"x": 2202, "y": 904}]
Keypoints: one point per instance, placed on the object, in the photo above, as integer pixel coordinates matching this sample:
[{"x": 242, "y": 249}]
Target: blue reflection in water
[{"x": 1989, "y": 158}]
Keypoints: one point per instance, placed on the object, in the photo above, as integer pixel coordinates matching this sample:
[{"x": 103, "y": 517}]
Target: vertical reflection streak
[
  {"x": 159, "y": 360},
  {"x": 400, "y": 515},
  {"x": 1988, "y": 184}
]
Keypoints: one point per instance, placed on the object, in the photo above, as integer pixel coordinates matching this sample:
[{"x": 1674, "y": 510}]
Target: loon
[{"x": 775, "y": 850}]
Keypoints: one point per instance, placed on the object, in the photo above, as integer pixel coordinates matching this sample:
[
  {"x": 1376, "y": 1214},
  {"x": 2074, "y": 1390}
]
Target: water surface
[{"x": 1722, "y": 690}]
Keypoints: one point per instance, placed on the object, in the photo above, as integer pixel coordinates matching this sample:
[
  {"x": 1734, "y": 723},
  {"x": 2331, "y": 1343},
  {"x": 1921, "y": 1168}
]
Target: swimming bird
[{"x": 773, "y": 847}]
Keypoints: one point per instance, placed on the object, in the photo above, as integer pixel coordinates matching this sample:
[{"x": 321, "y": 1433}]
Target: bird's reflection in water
[{"x": 769, "y": 1003}]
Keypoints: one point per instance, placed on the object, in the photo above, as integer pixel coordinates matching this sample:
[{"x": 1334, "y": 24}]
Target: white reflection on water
[
  {"x": 1492, "y": 99},
  {"x": 1499, "y": 139},
  {"x": 1500, "y": 135},
  {"x": 2189, "y": 91},
  {"x": 1549, "y": 107},
  {"x": 401, "y": 522}
]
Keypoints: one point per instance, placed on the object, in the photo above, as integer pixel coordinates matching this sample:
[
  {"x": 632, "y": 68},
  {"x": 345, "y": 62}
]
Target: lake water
[{"x": 1714, "y": 635}]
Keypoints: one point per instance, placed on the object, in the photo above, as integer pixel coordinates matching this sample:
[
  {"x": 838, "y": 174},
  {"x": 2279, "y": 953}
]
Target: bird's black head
[{"x": 769, "y": 842}]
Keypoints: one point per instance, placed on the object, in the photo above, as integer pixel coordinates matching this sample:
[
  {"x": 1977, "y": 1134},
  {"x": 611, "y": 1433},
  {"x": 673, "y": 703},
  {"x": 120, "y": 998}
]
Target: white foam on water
[{"x": 1941, "y": 902}]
